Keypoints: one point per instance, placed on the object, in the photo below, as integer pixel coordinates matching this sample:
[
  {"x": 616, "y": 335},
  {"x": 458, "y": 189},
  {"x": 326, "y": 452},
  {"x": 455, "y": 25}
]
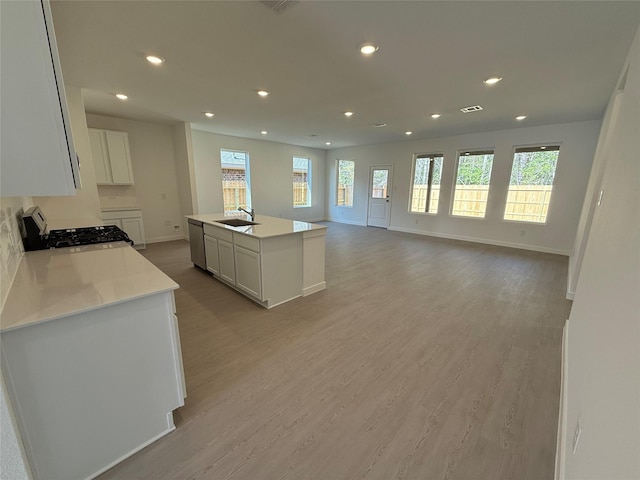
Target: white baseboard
[
  {"x": 562, "y": 414},
  {"x": 314, "y": 288},
  {"x": 168, "y": 238},
  {"x": 135, "y": 450},
  {"x": 348, "y": 222},
  {"x": 570, "y": 295},
  {"x": 521, "y": 246}
]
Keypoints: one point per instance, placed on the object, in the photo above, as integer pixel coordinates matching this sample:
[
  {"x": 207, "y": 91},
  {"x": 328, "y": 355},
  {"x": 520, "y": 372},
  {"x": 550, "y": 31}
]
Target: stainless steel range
[{"x": 36, "y": 237}]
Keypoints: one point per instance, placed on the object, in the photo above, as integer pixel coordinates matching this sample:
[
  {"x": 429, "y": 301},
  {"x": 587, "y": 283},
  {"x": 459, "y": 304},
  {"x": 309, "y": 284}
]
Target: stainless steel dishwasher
[{"x": 196, "y": 240}]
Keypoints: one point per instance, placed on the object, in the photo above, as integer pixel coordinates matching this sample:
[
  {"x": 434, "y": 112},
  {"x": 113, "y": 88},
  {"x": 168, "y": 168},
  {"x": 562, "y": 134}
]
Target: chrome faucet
[{"x": 252, "y": 212}]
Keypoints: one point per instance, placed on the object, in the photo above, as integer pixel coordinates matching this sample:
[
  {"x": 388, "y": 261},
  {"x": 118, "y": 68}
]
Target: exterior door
[{"x": 379, "y": 196}]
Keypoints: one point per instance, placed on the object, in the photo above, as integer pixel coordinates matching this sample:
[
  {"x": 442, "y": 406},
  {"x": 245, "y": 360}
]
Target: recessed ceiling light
[
  {"x": 209, "y": 114},
  {"x": 492, "y": 80},
  {"x": 467, "y": 153},
  {"x": 436, "y": 115},
  {"x": 121, "y": 96},
  {"x": 543, "y": 148},
  {"x": 368, "y": 48},
  {"x": 348, "y": 114},
  {"x": 262, "y": 93},
  {"x": 521, "y": 117},
  {"x": 155, "y": 60},
  {"x": 264, "y": 132},
  {"x": 327, "y": 143},
  {"x": 408, "y": 132}
]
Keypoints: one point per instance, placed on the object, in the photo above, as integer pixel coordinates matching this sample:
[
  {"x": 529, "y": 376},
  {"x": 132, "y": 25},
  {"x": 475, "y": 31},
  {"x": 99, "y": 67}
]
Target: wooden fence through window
[{"x": 527, "y": 203}]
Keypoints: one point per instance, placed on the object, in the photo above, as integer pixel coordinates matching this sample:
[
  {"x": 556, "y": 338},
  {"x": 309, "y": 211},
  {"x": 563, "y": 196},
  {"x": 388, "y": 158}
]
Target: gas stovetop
[{"x": 72, "y": 237}]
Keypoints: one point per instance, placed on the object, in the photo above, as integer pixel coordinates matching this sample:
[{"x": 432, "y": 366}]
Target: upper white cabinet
[
  {"x": 37, "y": 155},
  {"x": 111, "y": 157}
]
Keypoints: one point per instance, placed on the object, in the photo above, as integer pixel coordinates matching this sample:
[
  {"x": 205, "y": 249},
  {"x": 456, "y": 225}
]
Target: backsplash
[{"x": 11, "y": 248}]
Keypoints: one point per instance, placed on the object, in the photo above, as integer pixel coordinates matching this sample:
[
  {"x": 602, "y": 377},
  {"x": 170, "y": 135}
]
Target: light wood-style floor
[{"x": 424, "y": 359}]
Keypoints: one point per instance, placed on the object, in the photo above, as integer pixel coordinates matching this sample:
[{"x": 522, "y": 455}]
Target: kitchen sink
[{"x": 236, "y": 222}]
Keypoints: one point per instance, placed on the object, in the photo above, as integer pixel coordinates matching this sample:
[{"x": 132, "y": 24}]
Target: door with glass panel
[{"x": 379, "y": 196}]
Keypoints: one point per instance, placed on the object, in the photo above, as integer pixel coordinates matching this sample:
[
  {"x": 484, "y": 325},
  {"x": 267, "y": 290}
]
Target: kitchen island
[
  {"x": 90, "y": 356},
  {"x": 270, "y": 260}
]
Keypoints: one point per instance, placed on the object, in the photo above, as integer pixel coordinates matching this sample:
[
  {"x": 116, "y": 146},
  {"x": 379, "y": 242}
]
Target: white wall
[
  {"x": 85, "y": 204},
  {"x": 155, "y": 188},
  {"x": 271, "y": 173},
  {"x": 603, "y": 354},
  {"x": 185, "y": 170},
  {"x": 578, "y": 141}
]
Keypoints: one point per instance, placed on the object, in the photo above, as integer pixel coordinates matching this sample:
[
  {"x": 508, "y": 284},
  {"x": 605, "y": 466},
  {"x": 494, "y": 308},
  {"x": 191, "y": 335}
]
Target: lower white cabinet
[
  {"x": 93, "y": 388},
  {"x": 211, "y": 254},
  {"x": 227, "y": 262},
  {"x": 248, "y": 277},
  {"x": 130, "y": 221},
  {"x": 267, "y": 270}
]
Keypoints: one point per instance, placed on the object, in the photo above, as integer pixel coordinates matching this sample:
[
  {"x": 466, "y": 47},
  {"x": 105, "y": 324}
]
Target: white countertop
[
  {"x": 51, "y": 284},
  {"x": 266, "y": 226}
]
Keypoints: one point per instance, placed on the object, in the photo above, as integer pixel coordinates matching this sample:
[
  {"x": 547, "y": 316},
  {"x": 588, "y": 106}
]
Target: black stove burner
[{"x": 73, "y": 237}]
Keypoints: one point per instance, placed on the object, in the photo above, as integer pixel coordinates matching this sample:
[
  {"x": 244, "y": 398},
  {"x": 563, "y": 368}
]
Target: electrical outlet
[
  {"x": 176, "y": 227},
  {"x": 163, "y": 196},
  {"x": 522, "y": 233},
  {"x": 576, "y": 436}
]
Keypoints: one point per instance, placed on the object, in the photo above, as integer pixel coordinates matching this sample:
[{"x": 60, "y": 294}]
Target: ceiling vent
[
  {"x": 279, "y": 6},
  {"x": 378, "y": 125},
  {"x": 473, "y": 108}
]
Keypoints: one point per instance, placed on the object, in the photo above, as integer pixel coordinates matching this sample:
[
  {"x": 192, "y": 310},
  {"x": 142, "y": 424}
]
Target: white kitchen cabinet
[
  {"x": 37, "y": 154},
  {"x": 111, "y": 157},
  {"x": 211, "y": 254},
  {"x": 93, "y": 368},
  {"x": 227, "y": 262},
  {"x": 248, "y": 274},
  {"x": 219, "y": 248},
  {"x": 130, "y": 221}
]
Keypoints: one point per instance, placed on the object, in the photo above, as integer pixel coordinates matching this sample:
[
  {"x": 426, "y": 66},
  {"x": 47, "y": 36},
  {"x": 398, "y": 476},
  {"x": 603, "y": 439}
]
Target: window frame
[
  {"x": 416, "y": 156},
  {"x": 555, "y": 145},
  {"x": 309, "y": 181},
  {"x": 337, "y": 182},
  {"x": 247, "y": 175},
  {"x": 462, "y": 153}
]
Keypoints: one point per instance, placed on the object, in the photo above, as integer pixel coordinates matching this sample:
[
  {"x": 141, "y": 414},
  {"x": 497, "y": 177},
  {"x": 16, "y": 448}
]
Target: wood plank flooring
[{"x": 423, "y": 359}]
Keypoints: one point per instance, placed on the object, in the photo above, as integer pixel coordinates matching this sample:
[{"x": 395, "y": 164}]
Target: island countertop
[
  {"x": 51, "y": 284},
  {"x": 265, "y": 227}
]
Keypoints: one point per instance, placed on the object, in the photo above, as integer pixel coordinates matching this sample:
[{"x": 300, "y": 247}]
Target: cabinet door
[
  {"x": 114, "y": 221},
  {"x": 100, "y": 156},
  {"x": 248, "y": 275},
  {"x": 211, "y": 254},
  {"x": 37, "y": 152},
  {"x": 133, "y": 228},
  {"x": 119, "y": 157},
  {"x": 227, "y": 263}
]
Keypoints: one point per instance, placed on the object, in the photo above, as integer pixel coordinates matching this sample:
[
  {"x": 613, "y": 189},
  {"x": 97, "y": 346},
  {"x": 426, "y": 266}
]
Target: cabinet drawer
[
  {"x": 249, "y": 243},
  {"x": 218, "y": 232}
]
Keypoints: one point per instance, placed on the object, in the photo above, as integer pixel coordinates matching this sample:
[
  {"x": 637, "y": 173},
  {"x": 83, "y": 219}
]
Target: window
[
  {"x": 301, "y": 182},
  {"x": 346, "y": 177},
  {"x": 532, "y": 174},
  {"x": 236, "y": 188},
  {"x": 472, "y": 183},
  {"x": 425, "y": 188}
]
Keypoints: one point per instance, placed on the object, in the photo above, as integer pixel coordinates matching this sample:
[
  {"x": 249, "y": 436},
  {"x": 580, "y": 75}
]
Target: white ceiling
[{"x": 559, "y": 60}]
